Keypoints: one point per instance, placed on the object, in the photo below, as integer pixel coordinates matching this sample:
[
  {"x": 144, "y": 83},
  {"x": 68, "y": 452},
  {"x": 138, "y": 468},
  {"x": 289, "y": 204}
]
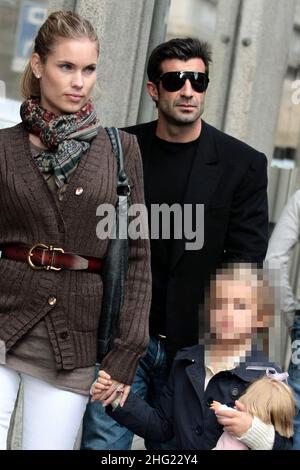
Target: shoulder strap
[
  {"x": 123, "y": 188},
  {"x": 116, "y": 259}
]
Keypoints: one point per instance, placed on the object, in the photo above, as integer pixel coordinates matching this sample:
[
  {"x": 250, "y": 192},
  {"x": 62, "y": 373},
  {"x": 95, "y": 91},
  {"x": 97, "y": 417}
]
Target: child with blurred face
[
  {"x": 240, "y": 304},
  {"x": 221, "y": 368}
]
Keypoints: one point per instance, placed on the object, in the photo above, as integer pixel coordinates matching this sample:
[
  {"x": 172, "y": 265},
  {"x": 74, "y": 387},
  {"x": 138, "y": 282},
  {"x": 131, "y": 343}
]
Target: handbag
[{"x": 116, "y": 260}]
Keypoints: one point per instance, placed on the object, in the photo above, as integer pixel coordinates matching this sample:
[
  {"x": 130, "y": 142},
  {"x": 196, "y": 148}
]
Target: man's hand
[
  {"x": 106, "y": 390},
  {"x": 236, "y": 422}
]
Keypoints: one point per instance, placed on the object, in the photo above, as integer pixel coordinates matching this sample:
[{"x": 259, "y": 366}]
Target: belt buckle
[{"x": 47, "y": 247}]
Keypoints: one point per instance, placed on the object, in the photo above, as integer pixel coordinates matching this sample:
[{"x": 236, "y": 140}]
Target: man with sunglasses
[{"x": 189, "y": 163}]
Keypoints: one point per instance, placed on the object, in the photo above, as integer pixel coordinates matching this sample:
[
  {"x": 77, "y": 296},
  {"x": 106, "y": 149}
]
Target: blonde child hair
[{"x": 272, "y": 401}]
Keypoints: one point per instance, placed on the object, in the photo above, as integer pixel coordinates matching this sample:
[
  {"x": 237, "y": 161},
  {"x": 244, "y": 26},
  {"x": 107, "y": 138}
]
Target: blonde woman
[{"x": 56, "y": 168}]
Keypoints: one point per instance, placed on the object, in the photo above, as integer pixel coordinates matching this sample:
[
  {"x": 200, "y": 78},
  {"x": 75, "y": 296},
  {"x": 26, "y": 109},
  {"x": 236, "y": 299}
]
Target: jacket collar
[
  {"x": 255, "y": 364},
  {"x": 146, "y": 133},
  {"x": 193, "y": 360}
]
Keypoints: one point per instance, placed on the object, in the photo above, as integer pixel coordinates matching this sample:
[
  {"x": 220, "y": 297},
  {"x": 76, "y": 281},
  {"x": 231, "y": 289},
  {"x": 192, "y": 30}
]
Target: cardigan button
[
  {"x": 235, "y": 392},
  {"x": 199, "y": 430},
  {"x": 79, "y": 191},
  {"x": 52, "y": 301}
]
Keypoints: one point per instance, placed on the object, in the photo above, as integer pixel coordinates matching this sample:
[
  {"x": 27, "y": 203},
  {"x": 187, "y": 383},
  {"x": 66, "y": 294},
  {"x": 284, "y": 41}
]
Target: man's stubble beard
[{"x": 182, "y": 120}]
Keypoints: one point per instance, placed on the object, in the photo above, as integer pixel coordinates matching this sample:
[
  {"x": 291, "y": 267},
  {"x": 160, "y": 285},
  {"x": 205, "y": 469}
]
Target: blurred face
[
  {"x": 68, "y": 76},
  {"x": 233, "y": 314},
  {"x": 184, "y": 106}
]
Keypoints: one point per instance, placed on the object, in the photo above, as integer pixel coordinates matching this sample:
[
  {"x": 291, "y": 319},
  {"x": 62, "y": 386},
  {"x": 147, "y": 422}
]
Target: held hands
[
  {"x": 236, "y": 421},
  {"x": 108, "y": 390}
]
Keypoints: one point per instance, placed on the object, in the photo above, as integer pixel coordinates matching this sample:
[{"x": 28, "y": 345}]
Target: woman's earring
[{"x": 37, "y": 75}]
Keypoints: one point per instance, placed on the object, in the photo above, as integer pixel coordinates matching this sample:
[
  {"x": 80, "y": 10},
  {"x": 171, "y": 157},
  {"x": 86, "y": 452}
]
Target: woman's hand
[
  {"x": 106, "y": 390},
  {"x": 236, "y": 422}
]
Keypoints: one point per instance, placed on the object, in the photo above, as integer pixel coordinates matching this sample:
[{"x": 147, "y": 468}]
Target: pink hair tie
[{"x": 280, "y": 377}]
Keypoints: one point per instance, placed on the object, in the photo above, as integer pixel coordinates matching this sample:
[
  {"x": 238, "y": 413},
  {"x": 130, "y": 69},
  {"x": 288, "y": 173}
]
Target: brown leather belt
[{"x": 42, "y": 256}]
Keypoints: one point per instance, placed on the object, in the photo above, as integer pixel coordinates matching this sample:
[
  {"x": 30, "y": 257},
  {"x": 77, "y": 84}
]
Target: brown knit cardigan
[{"x": 29, "y": 213}]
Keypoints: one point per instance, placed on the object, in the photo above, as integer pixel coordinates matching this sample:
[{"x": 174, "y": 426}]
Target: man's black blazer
[{"x": 230, "y": 179}]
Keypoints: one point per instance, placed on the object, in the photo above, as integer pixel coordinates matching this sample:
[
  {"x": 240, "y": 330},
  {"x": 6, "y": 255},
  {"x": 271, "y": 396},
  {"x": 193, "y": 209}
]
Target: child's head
[
  {"x": 272, "y": 402},
  {"x": 240, "y": 303}
]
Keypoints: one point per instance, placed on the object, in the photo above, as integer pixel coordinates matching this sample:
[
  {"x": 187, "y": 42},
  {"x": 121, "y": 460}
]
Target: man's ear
[
  {"x": 153, "y": 91},
  {"x": 36, "y": 64}
]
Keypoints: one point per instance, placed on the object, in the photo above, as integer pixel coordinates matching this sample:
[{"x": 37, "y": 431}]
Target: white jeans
[{"x": 51, "y": 416}]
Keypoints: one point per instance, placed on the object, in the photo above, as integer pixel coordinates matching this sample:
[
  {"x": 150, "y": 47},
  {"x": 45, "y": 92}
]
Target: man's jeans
[
  {"x": 100, "y": 432},
  {"x": 294, "y": 377}
]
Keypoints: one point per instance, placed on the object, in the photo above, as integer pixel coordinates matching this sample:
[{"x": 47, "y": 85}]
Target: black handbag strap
[
  {"x": 116, "y": 260},
  {"x": 123, "y": 188}
]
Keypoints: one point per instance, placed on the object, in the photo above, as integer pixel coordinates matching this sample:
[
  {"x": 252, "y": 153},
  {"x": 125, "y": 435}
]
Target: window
[
  {"x": 19, "y": 22},
  {"x": 287, "y": 137},
  {"x": 284, "y": 157}
]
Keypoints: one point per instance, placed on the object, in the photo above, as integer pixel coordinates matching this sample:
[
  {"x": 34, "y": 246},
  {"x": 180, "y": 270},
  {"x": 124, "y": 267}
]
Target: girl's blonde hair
[
  {"x": 273, "y": 403},
  {"x": 60, "y": 24}
]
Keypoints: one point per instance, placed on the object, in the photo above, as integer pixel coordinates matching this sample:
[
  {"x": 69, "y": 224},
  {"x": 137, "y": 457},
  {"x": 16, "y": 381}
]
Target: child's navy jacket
[{"x": 184, "y": 408}]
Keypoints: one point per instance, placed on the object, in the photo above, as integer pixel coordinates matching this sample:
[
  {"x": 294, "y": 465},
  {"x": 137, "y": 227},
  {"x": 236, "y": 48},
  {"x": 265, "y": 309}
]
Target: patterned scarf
[{"x": 66, "y": 137}]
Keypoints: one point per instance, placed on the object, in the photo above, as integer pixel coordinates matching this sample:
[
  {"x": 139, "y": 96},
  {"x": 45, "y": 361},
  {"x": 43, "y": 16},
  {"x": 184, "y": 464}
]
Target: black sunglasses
[{"x": 174, "y": 81}]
